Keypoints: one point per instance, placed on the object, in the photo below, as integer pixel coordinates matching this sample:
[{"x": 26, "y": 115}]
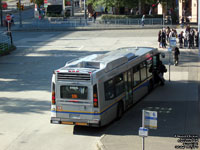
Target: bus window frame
[{"x": 136, "y": 69}]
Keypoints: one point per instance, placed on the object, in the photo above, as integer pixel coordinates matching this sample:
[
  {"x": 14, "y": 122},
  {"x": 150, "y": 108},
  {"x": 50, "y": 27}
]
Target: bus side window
[
  {"x": 136, "y": 76},
  {"x": 149, "y": 67},
  {"x": 119, "y": 84},
  {"x": 109, "y": 89},
  {"x": 143, "y": 71},
  {"x": 155, "y": 61}
]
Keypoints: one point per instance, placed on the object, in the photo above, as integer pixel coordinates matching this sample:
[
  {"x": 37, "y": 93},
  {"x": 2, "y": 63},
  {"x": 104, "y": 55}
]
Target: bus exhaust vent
[{"x": 73, "y": 76}]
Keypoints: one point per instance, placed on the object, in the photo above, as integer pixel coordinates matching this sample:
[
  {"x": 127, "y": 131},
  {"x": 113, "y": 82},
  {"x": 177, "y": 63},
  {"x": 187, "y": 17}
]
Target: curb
[
  {"x": 100, "y": 145},
  {"x": 89, "y": 28}
]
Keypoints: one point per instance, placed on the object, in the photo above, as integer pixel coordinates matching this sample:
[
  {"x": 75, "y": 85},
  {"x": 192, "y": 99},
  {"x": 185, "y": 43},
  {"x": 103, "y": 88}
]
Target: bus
[{"x": 96, "y": 89}]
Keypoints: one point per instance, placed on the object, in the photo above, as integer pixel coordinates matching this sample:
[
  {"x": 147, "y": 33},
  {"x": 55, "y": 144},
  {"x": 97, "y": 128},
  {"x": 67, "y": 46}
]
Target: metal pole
[
  {"x": 20, "y": 14},
  {"x": 1, "y": 14},
  {"x": 85, "y": 9},
  {"x": 143, "y": 143},
  {"x": 199, "y": 24},
  {"x": 169, "y": 65}
]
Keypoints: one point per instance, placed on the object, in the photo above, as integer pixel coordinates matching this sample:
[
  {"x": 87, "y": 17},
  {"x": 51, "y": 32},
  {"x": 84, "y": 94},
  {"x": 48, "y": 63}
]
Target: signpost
[
  {"x": 172, "y": 42},
  {"x": 8, "y": 18},
  {"x": 149, "y": 120}
]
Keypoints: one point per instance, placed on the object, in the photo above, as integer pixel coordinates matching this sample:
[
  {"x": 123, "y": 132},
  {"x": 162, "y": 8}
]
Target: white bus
[{"x": 96, "y": 89}]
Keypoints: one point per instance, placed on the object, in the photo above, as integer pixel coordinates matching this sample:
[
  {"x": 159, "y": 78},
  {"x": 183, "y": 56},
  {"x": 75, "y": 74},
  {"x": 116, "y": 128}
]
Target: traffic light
[
  {"x": 22, "y": 7},
  {"x": 18, "y": 6}
]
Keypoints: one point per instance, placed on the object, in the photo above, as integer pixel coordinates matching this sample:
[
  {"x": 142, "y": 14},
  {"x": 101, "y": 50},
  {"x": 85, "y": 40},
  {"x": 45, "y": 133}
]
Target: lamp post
[
  {"x": 199, "y": 24},
  {"x": 1, "y": 13},
  {"x": 20, "y": 14}
]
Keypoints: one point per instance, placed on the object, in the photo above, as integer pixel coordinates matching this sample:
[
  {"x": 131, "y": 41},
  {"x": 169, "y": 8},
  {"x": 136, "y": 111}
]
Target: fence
[
  {"x": 5, "y": 41},
  {"x": 73, "y": 23}
]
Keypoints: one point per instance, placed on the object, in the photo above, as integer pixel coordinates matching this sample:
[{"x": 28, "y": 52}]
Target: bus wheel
[{"x": 120, "y": 110}]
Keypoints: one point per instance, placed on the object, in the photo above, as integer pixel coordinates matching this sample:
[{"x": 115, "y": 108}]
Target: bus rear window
[{"x": 73, "y": 92}]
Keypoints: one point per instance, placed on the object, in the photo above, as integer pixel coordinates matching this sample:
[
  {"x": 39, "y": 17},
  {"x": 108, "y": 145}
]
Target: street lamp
[
  {"x": 199, "y": 24},
  {"x": 1, "y": 13},
  {"x": 20, "y": 14}
]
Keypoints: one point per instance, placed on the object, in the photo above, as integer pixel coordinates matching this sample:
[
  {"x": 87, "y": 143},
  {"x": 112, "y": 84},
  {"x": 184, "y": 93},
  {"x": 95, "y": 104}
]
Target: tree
[{"x": 39, "y": 2}]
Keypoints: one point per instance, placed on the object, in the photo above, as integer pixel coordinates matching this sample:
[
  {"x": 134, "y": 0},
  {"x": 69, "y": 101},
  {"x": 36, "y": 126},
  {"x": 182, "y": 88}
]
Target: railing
[
  {"x": 89, "y": 23},
  {"x": 5, "y": 41}
]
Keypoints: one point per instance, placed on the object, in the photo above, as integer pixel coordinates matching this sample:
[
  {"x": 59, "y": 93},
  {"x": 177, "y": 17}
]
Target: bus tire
[
  {"x": 120, "y": 110},
  {"x": 151, "y": 85}
]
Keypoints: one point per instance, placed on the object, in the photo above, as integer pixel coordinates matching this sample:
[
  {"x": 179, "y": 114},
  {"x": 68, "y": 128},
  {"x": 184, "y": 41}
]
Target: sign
[
  {"x": 45, "y": 1},
  {"x": 8, "y": 18},
  {"x": 150, "y": 119},
  {"x": 55, "y": 2},
  {"x": 45, "y": 5},
  {"x": 36, "y": 7},
  {"x": 143, "y": 132},
  {"x": 172, "y": 41},
  {"x": 169, "y": 49}
]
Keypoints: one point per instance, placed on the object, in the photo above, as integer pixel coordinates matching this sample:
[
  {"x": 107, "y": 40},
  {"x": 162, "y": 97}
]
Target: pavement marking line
[
  {"x": 81, "y": 47},
  {"x": 59, "y": 46}
]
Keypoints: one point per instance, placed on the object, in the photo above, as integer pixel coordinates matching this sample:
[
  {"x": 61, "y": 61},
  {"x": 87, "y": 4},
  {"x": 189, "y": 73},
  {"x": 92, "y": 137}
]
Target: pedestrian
[
  {"x": 142, "y": 20},
  {"x": 95, "y": 16},
  {"x": 180, "y": 37},
  {"x": 167, "y": 33},
  {"x": 161, "y": 70},
  {"x": 163, "y": 39},
  {"x": 197, "y": 38},
  {"x": 187, "y": 37},
  {"x": 182, "y": 22},
  {"x": 176, "y": 54},
  {"x": 159, "y": 39}
]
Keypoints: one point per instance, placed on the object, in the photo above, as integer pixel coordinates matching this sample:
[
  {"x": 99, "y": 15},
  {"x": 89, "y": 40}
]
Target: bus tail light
[
  {"x": 95, "y": 96},
  {"x": 53, "y": 94}
]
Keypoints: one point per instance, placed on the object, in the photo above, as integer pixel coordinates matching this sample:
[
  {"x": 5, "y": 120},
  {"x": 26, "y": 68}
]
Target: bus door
[{"x": 128, "y": 88}]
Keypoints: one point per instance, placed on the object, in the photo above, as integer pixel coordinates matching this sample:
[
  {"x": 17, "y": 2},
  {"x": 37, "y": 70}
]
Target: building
[{"x": 189, "y": 9}]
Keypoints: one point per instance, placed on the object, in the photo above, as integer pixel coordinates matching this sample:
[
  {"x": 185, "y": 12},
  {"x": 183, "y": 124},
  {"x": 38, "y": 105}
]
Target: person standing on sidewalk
[
  {"x": 159, "y": 38},
  {"x": 95, "y": 16},
  {"x": 142, "y": 20},
  {"x": 180, "y": 37},
  {"x": 176, "y": 53}
]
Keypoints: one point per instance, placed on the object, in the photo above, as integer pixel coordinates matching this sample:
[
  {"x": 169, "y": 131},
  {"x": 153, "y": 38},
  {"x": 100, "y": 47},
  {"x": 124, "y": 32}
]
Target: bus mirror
[{"x": 163, "y": 55}]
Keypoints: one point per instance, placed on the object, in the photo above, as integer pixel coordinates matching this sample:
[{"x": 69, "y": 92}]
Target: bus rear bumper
[{"x": 80, "y": 122}]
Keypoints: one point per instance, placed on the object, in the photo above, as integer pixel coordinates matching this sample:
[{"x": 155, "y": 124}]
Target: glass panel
[
  {"x": 136, "y": 76},
  {"x": 109, "y": 90},
  {"x": 149, "y": 67},
  {"x": 119, "y": 84},
  {"x": 74, "y": 92}
]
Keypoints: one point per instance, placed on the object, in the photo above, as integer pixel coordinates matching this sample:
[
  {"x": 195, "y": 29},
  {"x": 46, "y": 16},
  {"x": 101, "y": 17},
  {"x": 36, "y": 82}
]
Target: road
[{"x": 25, "y": 79}]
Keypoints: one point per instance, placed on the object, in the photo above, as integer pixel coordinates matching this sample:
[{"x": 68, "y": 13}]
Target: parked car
[{"x": 4, "y": 5}]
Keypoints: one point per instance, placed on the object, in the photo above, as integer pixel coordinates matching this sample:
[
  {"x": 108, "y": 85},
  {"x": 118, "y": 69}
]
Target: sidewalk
[{"x": 177, "y": 104}]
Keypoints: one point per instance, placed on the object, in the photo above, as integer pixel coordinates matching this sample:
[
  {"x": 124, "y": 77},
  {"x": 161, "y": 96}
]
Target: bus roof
[{"x": 109, "y": 60}]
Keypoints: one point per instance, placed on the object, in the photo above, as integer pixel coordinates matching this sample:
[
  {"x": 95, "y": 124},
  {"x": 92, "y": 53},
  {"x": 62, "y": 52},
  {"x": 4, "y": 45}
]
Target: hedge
[
  {"x": 108, "y": 16},
  {"x": 6, "y": 51}
]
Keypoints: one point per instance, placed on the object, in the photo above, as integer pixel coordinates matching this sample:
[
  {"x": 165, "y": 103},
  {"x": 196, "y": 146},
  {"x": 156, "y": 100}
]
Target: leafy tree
[{"x": 39, "y": 2}]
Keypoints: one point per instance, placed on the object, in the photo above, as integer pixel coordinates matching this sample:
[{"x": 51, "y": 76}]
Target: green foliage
[
  {"x": 110, "y": 17},
  {"x": 7, "y": 48},
  {"x": 39, "y": 2}
]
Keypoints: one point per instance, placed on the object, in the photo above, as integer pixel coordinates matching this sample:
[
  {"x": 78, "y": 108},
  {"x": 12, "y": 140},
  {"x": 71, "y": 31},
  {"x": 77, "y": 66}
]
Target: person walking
[
  {"x": 95, "y": 16},
  {"x": 176, "y": 54},
  {"x": 142, "y": 20},
  {"x": 159, "y": 39},
  {"x": 197, "y": 38},
  {"x": 163, "y": 39},
  {"x": 180, "y": 37}
]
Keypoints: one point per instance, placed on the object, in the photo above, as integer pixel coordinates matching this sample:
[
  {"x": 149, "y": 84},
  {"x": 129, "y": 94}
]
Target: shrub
[
  {"x": 109, "y": 17},
  {"x": 7, "y": 48}
]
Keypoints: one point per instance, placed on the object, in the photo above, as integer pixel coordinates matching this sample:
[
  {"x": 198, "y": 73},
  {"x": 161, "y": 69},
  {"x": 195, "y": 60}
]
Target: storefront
[{"x": 189, "y": 10}]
